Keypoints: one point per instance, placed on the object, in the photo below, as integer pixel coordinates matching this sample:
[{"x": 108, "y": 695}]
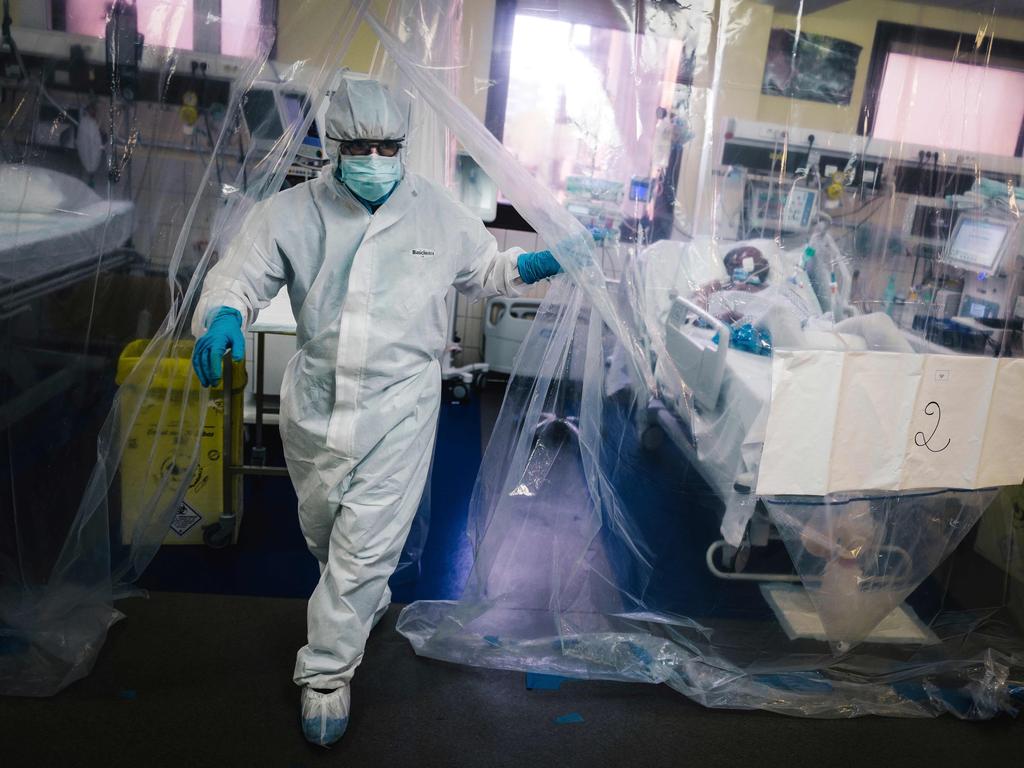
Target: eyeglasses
[{"x": 386, "y": 148}]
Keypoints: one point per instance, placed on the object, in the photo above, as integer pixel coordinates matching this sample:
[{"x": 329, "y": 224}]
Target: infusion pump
[{"x": 772, "y": 207}]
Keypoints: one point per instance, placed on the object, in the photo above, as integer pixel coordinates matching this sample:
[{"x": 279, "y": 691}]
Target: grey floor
[{"x": 197, "y": 680}]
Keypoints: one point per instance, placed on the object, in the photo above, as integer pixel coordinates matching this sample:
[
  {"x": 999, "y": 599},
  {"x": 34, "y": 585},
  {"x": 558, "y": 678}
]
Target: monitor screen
[
  {"x": 261, "y": 115},
  {"x": 977, "y": 244},
  {"x": 640, "y": 190},
  {"x": 296, "y": 106},
  {"x": 979, "y": 308}
]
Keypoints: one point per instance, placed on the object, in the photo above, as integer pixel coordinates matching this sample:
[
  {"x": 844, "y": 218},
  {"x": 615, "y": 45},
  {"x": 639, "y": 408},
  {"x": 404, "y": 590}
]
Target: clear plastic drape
[
  {"x": 721, "y": 182},
  {"x": 616, "y": 526},
  {"x": 130, "y": 157}
]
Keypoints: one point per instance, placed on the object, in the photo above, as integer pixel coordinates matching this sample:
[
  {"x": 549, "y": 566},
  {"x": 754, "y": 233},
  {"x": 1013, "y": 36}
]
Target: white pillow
[{"x": 29, "y": 189}]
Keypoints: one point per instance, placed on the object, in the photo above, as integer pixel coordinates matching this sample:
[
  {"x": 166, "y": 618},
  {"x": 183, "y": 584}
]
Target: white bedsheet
[
  {"x": 729, "y": 439},
  {"x": 34, "y": 245}
]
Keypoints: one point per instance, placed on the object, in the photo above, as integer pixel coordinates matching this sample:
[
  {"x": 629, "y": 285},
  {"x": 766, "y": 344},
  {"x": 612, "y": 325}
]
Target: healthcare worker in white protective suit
[{"x": 368, "y": 253}]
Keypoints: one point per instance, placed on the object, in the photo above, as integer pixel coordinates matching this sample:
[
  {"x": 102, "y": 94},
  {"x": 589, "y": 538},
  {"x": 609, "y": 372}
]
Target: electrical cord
[{"x": 867, "y": 203}]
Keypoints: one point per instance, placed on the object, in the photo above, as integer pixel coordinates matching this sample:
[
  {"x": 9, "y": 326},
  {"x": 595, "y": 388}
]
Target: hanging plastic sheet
[
  {"x": 712, "y": 195},
  {"x": 101, "y": 264},
  {"x": 617, "y": 528}
]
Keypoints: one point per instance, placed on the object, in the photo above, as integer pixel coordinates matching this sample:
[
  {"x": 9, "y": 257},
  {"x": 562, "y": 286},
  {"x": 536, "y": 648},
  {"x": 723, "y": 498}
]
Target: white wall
[{"x": 469, "y": 316}]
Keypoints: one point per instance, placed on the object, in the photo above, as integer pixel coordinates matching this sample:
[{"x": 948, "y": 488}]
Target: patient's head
[{"x": 747, "y": 268}]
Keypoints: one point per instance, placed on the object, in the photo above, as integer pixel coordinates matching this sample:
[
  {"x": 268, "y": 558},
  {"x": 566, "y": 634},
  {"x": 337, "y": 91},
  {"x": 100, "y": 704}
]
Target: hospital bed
[
  {"x": 712, "y": 398},
  {"x": 54, "y": 232}
]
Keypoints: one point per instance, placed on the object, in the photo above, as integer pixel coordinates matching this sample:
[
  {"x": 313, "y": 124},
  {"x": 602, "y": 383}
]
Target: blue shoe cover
[{"x": 325, "y": 715}]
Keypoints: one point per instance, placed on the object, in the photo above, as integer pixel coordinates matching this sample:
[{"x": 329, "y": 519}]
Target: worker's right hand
[{"x": 224, "y": 332}]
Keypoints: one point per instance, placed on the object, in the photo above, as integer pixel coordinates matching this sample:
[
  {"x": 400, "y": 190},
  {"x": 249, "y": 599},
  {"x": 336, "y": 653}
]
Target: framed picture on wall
[{"x": 810, "y": 67}]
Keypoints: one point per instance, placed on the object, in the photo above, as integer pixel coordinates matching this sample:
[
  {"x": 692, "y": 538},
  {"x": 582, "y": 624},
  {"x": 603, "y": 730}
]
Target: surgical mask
[{"x": 369, "y": 176}]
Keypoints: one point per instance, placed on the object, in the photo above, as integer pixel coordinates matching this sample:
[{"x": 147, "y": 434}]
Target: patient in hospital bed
[
  {"x": 757, "y": 283},
  {"x": 754, "y": 283},
  {"x": 780, "y": 293},
  {"x": 748, "y": 272}
]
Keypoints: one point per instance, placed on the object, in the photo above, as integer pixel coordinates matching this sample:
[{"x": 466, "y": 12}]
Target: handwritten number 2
[{"x": 932, "y": 409}]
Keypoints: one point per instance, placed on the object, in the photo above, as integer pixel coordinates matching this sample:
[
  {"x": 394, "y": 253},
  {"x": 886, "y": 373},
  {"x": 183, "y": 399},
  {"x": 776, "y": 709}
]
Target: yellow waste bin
[{"x": 160, "y": 401}]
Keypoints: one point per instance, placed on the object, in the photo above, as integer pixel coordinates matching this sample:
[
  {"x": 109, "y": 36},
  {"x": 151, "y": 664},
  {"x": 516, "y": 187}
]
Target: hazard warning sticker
[{"x": 185, "y": 520}]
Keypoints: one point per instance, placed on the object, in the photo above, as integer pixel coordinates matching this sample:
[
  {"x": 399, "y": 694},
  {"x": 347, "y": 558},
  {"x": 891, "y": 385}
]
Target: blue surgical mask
[{"x": 372, "y": 177}]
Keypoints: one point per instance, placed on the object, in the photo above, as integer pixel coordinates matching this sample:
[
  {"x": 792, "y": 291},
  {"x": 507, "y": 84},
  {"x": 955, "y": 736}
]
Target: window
[
  {"x": 240, "y": 27},
  {"x": 232, "y": 27},
  {"x": 161, "y": 22},
  {"x": 564, "y": 100},
  {"x": 934, "y": 88},
  {"x": 956, "y": 106}
]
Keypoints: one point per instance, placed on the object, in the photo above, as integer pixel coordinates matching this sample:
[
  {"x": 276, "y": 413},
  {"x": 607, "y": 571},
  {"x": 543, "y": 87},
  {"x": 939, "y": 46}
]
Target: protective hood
[{"x": 364, "y": 109}]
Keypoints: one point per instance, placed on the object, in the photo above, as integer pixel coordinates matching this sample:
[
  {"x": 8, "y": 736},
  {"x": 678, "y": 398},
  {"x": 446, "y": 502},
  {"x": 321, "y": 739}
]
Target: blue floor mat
[
  {"x": 271, "y": 559},
  {"x": 447, "y": 556}
]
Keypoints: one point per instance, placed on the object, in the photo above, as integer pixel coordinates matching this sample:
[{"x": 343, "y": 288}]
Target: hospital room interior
[{"x": 656, "y": 366}]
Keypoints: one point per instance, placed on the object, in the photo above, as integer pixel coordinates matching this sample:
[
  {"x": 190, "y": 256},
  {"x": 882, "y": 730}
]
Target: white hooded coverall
[{"x": 360, "y": 399}]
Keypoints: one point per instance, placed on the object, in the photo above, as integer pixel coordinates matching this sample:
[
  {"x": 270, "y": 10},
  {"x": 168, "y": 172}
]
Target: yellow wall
[
  {"x": 477, "y": 41},
  {"x": 30, "y": 13},
  {"x": 744, "y": 44},
  {"x": 305, "y": 29},
  {"x": 855, "y": 21}
]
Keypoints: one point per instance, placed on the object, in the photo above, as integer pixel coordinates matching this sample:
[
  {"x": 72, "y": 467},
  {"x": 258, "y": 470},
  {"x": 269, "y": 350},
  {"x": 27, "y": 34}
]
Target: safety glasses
[{"x": 386, "y": 148}]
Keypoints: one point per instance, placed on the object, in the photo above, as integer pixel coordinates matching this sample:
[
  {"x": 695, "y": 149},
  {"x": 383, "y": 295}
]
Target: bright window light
[
  {"x": 951, "y": 105},
  {"x": 162, "y": 22},
  {"x": 240, "y": 29},
  {"x": 572, "y": 104},
  {"x": 171, "y": 23}
]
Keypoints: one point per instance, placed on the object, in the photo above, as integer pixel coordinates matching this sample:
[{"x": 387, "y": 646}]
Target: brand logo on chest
[{"x": 423, "y": 253}]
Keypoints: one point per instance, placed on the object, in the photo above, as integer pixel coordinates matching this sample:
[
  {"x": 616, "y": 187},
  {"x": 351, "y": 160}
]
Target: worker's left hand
[{"x": 538, "y": 265}]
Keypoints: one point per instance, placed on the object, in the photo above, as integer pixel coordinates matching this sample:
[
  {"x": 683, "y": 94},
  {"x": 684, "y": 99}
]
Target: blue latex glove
[
  {"x": 747, "y": 338},
  {"x": 537, "y": 266},
  {"x": 224, "y": 332}
]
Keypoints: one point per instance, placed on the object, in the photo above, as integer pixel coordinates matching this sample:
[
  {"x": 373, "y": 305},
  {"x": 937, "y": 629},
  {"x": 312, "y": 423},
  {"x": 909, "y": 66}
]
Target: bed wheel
[
  {"x": 217, "y": 536},
  {"x": 652, "y": 437},
  {"x": 460, "y": 392}
]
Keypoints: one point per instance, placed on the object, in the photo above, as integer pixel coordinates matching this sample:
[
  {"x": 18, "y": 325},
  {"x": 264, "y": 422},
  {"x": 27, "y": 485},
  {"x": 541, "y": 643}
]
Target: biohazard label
[{"x": 186, "y": 519}]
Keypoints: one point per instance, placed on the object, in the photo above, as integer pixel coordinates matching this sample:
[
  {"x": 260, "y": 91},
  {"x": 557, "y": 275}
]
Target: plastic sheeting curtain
[
  {"x": 667, "y": 159},
  {"x": 184, "y": 155}
]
